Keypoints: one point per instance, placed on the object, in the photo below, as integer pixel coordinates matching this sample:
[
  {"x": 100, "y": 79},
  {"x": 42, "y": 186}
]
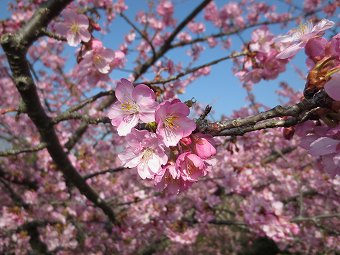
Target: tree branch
[
  {"x": 110, "y": 170},
  {"x": 12, "y": 152},
  {"x": 268, "y": 119},
  {"x": 15, "y": 46}
]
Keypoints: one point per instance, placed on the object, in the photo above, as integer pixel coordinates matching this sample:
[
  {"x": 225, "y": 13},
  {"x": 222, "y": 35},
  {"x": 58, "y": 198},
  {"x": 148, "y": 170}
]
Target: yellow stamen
[
  {"x": 75, "y": 28},
  {"x": 147, "y": 154},
  {"x": 170, "y": 122},
  {"x": 129, "y": 106}
]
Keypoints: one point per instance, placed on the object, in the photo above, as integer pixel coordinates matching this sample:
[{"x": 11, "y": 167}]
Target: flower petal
[
  {"x": 124, "y": 90},
  {"x": 290, "y": 51},
  {"x": 128, "y": 122},
  {"x": 332, "y": 87}
]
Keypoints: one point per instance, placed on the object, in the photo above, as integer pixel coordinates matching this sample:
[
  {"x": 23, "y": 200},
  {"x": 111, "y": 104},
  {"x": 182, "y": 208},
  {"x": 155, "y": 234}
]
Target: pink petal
[
  {"x": 124, "y": 90},
  {"x": 143, "y": 95},
  {"x": 69, "y": 15},
  {"x": 323, "y": 25},
  {"x": 154, "y": 163},
  {"x": 115, "y": 114},
  {"x": 143, "y": 171},
  {"x": 290, "y": 51},
  {"x": 148, "y": 115},
  {"x": 187, "y": 126},
  {"x": 85, "y": 35},
  {"x": 129, "y": 122},
  {"x": 82, "y": 21},
  {"x": 315, "y": 47},
  {"x": 73, "y": 39},
  {"x": 161, "y": 111},
  {"x": 332, "y": 87},
  {"x": 108, "y": 55},
  {"x": 129, "y": 159},
  {"x": 179, "y": 108},
  {"x": 61, "y": 29},
  {"x": 170, "y": 137},
  {"x": 323, "y": 146}
]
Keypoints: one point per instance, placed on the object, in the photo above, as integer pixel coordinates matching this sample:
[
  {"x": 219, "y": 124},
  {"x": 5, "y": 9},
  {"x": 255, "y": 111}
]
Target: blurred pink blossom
[
  {"x": 74, "y": 28},
  {"x": 297, "y": 38}
]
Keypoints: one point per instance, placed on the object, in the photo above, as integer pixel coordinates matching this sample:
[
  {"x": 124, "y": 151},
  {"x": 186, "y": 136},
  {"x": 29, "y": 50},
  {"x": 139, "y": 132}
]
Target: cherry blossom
[
  {"x": 99, "y": 56},
  {"x": 169, "y": 179},
  {"x": 134, "y": 104},
  {"x": 297, "y": 38},
  {"x": 191, "y": 166},
  {"x": 74, "y": 28},
  {"x": 173, "y": 123},
  {"x": 145, "y": 152}
]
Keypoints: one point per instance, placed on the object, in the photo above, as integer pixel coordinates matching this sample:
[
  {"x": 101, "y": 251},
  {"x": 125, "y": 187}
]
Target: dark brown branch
[
  {"x": 90, "y": 100},
  {"x": 110, "y": 170},
  {"x": 45, "y": 32},
  {"x": 79, "y": 116},
  {"x": 78, "y": 133},
  {"x": 24, "y": 150},
  {"x": 15, "y": 46},
  {"x": 269, "y": 119},
  {"x": 38, "y": 246}
]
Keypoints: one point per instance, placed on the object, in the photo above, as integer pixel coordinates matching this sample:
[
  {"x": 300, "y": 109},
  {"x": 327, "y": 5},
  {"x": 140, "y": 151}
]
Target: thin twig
[{"x": 12, "y": 152}]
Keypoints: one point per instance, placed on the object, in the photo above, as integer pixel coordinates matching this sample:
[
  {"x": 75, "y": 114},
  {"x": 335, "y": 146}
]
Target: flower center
[
  {"x": 191, "y": 168},
  {"x": 303, "y": 29},
  {"x": 97, "y": 59},
  {"x": 129, "y": 106},
  {"x": 74, "y": 28},
  {"x": 147, "y": 154},
  {"x": 171, "y": 122}
]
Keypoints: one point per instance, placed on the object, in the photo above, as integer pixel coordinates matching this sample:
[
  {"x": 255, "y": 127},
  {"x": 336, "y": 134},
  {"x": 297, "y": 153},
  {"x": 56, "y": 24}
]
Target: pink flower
[
  {"x": 133, "y": 104},
  {"x": 191, "y": 166},
  {"x": 75, "y": 27},
  {"x": 99, "y": 57},
  {"x": 169, "y": 178},
  {"x": 172, "y": 122},
  {"x": 196, "y": 27},
  {"x": 204, "y": 145},
  {"x": 166, "y": 10},
  {"x": 297, "y": 38},
  {"x": 145, "y": 152},
  {"x": 332, "y": 87}
]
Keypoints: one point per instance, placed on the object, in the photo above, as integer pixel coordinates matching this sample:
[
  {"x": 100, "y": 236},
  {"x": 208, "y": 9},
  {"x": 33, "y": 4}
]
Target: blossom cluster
[
  {"x": 267, "y": 56},
  {"x": 95, "y": 62},
  {"x": 166, "y": 151},
  {"x": 261, "y": 62}
]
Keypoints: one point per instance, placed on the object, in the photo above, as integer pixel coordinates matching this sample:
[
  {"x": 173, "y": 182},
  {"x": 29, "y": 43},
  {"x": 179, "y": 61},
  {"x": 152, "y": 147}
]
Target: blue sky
[{"x": 221, "y": 88}]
